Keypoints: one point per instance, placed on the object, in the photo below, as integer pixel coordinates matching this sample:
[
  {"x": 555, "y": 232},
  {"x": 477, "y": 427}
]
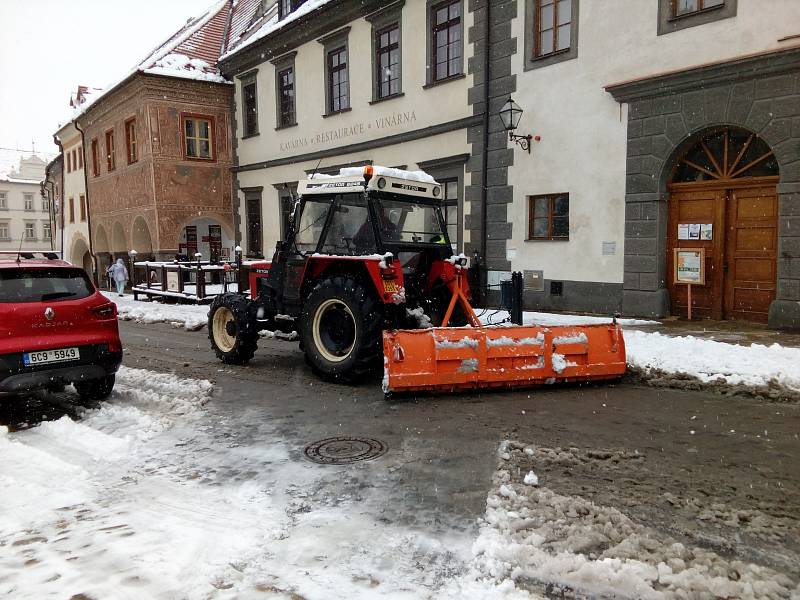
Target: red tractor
[
  {"x": 363, "y": 254},
  {"x": 367, "y": 277}
]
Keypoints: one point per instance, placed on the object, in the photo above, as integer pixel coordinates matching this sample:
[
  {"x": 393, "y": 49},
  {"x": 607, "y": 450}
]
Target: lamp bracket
[{"x": 523, "y": 141}]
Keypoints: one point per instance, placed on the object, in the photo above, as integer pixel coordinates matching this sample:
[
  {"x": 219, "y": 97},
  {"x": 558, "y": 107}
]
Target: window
[
  {"x": 548, "y": 217},
  {"x": 450, "y": 208},
  {"x": 80, "y": 157},
  {"x": 69, "y": 162},
  {"x": 286, "y": 105},
  {"x": 83, "y": 207},
  {"x": 3, "y": 199},
  {"x": 5, "y": 233},
  {"x": 30, "y": 231},
  {"x": 130, "y": 140},
  {"x": 250, "y": 106},
  {"x": 45, "y": 204},
  {"x": 686, "y": 7},
  {"x": 674, "y": 15},
  {"x": 445, "y": 41},
  {"x": 252, "y": 199},
  {"x": 44, "y": 285},
  {"x": 95, "y": 158},
  {"x": 552, "y": 30},
  {"x": 338, "y": 85},
  {"x": 71, "y": 210},
  {"x": 110, "y": 158},
  {"x": 350, "y": 232},
  {"x": 197, "y": 137},
  {"x": 74, "y": 159},
  {"x": 28, "y": 199},
  {"x": 387, "y": 61},
  {"x": 46, "y": 231},
  {"x": 285, "y": 7}
]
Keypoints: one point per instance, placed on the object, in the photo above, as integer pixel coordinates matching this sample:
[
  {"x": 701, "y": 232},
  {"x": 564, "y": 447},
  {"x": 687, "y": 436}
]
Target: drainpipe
[
  {"x": 57, "y": 142},
  {"x": 86, "y": 196},
  {"x": 485, "y": 160}
]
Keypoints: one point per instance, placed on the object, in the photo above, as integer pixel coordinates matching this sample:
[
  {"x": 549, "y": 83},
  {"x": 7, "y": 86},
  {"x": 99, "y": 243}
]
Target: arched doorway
[
  {"x": 723, "y": 199},
  {"x": 141, "y": 240},
  {"x": 79, "y": 254},
  {"x": 208, "y": 236}
]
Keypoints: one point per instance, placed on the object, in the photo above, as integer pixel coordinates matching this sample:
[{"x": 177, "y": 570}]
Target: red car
[{"x": 55, "y": 328}]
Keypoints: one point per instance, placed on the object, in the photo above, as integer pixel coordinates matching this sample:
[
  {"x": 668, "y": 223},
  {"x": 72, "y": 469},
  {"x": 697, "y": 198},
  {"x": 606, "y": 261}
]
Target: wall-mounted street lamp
[{"x": 511, "y": 114}]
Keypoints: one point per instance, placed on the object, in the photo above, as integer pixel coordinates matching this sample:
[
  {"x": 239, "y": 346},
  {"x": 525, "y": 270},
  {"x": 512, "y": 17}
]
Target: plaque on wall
[
  {"x": 683, "y": 231},
  {"x": 707, "y": 231}
]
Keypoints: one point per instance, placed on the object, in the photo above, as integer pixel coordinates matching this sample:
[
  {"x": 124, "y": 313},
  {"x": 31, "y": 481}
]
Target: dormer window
[{"x": 286, "y": 7}]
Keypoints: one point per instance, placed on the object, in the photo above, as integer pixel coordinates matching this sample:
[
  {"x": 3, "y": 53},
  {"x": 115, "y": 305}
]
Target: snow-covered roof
[
  {"x": 258, "y": 29},
  {"x": 191, "y": 52}
]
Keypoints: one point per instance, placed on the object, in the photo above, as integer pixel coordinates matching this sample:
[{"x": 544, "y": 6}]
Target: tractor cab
[{"x": 344, "y": 222}]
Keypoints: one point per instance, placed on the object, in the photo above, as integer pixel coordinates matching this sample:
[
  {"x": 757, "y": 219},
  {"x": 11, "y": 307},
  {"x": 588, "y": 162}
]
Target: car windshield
[
  {"x": 44, "y": 285},
  {"x": 409, "y": 222}
]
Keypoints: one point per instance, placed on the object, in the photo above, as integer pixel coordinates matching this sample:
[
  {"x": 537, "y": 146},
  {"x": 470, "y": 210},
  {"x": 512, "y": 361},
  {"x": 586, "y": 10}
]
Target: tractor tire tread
[{"x": 247, "y": 338}]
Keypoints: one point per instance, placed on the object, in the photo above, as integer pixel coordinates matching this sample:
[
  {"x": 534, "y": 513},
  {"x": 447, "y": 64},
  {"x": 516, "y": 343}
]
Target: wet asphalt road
[{"x": 711, "y": 463}]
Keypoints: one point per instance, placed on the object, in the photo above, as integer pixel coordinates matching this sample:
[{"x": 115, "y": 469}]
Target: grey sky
[{"x": 49, "y": 47}]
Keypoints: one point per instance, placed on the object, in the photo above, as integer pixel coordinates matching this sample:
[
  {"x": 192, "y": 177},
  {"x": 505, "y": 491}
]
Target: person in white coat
[{"x": 119, "y": 274}]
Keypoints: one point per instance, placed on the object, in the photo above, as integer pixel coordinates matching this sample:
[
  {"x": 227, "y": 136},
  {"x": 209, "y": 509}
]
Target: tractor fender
[{"x": 386, "y": 280}]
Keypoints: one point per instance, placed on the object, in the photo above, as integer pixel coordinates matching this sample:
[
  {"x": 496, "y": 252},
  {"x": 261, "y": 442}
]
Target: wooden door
[
  {"x": 750, "y": 253},
  {"x": 706, "y": 206}
]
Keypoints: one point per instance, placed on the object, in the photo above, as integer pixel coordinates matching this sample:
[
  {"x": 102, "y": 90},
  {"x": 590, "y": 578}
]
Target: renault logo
[{"x": 49, "y": 313}]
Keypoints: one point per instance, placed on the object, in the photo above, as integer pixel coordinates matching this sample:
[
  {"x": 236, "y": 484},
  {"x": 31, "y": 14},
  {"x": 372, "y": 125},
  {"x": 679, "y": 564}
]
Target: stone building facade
[{"x": 143, "y": 197}]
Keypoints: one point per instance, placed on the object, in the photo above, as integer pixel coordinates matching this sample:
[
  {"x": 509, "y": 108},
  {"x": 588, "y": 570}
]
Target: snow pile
[
  {"x": 715, "y": 362},
  {"x": 189, "y": 316},
  {"x": 418, "y": 315},
  {"x": 493, "y": 317},
  {"x": 539, "y": 538},
  {"x": 180, "y": 65},
  {"x": 388, "y": 172},
  {"x": 465, "y": 342}
]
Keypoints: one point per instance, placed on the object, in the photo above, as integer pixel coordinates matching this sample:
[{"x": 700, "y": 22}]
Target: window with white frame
[
  {"x": 45, "y": 204},
  {"x": 28, "y": 198},
  {"x": 5, "y": 232},
  {"x": 3, "y": 200},
  {"x": 30, "y": 231},
  {"x": 46, "y": 231}
]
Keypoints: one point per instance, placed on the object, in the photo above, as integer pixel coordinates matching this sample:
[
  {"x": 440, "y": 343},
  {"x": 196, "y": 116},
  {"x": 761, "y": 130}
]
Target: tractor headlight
[
  {"x": 436, "y": 191},
  {"x": 381, "y": 183}
]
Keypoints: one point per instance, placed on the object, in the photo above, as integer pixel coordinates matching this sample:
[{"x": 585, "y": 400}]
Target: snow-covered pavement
[
  {"x": 188, "y": 316},
  {"x": 153, "y": 496}
]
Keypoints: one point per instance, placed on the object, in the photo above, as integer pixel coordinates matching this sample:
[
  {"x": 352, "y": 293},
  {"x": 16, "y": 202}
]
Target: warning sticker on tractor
[{"x": 390, "y": 286}]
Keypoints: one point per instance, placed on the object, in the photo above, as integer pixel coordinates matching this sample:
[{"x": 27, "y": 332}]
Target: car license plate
[
  {"x": 389, "y": 286},
  {"x": 50, "y": 356}
]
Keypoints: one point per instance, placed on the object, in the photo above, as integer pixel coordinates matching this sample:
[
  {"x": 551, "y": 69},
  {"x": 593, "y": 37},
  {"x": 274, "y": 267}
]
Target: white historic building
[
  {"x": 322, "y": 85},
  {"x": 73, "y": 217},
  {"x": 25, "y": 215}
]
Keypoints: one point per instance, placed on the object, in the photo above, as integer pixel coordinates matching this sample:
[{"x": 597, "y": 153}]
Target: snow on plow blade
[{"x": 463, "y": 358}]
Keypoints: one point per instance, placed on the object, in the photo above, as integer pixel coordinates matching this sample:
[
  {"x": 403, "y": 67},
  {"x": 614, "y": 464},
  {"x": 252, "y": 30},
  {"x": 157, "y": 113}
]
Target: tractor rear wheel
[
  {"x": 232, "y": 328},
  {"x": 341, "y": 329}
]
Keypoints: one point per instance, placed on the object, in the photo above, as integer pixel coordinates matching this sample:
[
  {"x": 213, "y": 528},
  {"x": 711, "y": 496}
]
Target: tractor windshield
[{"x": 409, "y": 222}]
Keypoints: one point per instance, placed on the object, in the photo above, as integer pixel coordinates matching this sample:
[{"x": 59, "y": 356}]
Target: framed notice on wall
[{"x": 690, "y": 266}]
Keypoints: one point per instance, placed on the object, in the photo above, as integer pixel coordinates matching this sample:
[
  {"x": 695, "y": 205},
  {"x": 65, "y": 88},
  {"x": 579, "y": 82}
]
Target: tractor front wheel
[
  {"x": 232, "y": 328},
  {"x": 341, "y": 329}
]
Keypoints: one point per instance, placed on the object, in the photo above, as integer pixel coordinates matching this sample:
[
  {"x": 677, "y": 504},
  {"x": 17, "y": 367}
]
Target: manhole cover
[{"x": 344, "y": 450}]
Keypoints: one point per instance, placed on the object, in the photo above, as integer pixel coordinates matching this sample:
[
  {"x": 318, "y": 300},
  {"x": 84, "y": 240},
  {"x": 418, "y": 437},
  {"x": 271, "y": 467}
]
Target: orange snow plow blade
[
  {"x": 463, "y": 358},
  {"x": 477, "y": 357}
]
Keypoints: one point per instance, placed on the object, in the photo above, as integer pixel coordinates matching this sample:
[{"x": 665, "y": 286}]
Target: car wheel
[
  {"x": 95, "y": 389},
  {"x": 232, "y": 328}
]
